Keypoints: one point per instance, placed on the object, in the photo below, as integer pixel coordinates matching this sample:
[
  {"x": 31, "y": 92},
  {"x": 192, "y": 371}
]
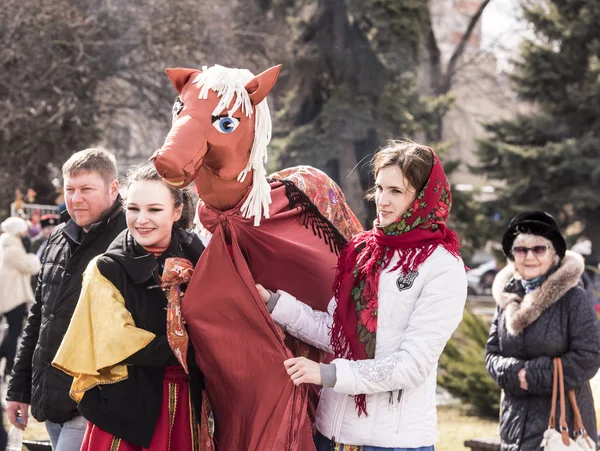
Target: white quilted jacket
[{"x": 415, "y": 320}]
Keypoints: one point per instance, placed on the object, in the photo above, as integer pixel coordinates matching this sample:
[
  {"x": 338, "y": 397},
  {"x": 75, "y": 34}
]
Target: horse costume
[{"x": 283, "y": 232}]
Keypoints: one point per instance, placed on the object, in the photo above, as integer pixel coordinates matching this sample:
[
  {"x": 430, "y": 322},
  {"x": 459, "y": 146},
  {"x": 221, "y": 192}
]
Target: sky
[{"x": 502, "y": 29}]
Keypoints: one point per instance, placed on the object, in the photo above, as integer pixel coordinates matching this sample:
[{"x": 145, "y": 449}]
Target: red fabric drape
[{"x": 238, "y": 347}]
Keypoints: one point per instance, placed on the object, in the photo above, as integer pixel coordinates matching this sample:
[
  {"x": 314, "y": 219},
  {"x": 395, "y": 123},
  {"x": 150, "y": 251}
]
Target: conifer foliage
[
  {"x": 462, "y": 367},
  {"x": 549, "y": 158}
]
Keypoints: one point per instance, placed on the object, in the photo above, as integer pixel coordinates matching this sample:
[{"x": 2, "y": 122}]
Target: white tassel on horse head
[{"x": 229, "y": 84}]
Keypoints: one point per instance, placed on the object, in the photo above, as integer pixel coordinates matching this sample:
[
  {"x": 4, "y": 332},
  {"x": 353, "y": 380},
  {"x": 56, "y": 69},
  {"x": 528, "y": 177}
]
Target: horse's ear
[
  {"x": 180, "y": 76},
  {"x": 259, "y": 86}
]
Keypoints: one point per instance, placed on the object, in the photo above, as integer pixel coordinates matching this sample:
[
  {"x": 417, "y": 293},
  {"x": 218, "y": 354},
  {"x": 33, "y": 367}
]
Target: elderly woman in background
[
  {"x": 16, "y": 269},
  {"x": 542, "y": 313}
]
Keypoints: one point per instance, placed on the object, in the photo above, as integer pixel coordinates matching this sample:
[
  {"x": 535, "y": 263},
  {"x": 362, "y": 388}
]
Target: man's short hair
[{"x": 94, "y": 159}]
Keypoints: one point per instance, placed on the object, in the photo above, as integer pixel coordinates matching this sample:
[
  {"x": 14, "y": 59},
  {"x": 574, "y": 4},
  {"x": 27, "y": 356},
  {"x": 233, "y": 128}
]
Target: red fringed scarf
[{"x": 414, "y": 237}]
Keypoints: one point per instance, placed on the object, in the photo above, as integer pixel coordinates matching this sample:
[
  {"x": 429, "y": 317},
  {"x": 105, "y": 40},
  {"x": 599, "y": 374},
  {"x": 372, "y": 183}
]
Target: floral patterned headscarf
[{"x": 414, "y": 236}]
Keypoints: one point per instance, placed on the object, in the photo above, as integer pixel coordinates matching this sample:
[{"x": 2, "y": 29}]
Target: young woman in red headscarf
[{"x": 399, "y": 295}]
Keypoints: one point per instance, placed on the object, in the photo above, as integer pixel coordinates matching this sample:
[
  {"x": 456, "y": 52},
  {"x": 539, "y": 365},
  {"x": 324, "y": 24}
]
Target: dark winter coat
[
  {"x": 69, "y": 250},
  {"x": 130, "y": 409},
  {"x": 528, "y": 331}
]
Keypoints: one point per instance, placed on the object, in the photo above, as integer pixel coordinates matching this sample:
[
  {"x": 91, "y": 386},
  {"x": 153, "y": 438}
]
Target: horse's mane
[{"x": 230, "y": 86}]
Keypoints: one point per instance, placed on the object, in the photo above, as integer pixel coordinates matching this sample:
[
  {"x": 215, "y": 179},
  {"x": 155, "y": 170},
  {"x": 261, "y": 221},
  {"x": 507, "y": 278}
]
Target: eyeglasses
[{"x": 538, "y": 251}]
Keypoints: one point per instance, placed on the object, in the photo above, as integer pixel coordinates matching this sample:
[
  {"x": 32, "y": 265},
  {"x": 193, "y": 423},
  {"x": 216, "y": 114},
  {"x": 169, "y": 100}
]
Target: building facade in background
[{"x": 482, "y": 92}]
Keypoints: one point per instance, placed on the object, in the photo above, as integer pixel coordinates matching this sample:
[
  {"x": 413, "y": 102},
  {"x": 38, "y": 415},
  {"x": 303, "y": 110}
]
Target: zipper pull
[{"x": 391, "y": 398}]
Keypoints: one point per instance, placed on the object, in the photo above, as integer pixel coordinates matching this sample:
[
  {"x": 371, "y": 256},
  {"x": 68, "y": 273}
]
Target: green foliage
[
  {"x": 354, "y": 83},
  {"x": 393, "y": 27},
  {"x": 550, "y": 158},
  {"x": 469, "y": 218},
  {"x": 463, "y": 371}
]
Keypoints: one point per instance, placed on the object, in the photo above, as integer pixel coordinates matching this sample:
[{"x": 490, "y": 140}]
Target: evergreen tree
[
  {"x": 360, "y": 72},
  {"x": 549, "y": 158},
  {"x": 462, "y": 367}
]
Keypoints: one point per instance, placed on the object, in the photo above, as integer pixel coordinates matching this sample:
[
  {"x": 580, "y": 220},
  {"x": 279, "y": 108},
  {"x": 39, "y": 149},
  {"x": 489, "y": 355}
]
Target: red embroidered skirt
[{"x": 177, "y": 428}]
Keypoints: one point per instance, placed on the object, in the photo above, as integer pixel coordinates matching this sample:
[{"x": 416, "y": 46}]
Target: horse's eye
[
  {"x": 177, "y": 107},
  {"x": 225, "y": 124}
]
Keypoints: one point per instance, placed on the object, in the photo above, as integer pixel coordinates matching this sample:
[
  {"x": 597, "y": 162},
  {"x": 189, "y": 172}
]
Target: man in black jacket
[{"x": 96, "y": 218}]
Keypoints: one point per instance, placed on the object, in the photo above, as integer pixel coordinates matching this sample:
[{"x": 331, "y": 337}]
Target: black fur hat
[{"x": 536, "y": 223}]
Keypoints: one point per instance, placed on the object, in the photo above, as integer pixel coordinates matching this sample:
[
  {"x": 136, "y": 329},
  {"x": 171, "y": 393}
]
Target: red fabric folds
[{"x": 238, "y": 347}]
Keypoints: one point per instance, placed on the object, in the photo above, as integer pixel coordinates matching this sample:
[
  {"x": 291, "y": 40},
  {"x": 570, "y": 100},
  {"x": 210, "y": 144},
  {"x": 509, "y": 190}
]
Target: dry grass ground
[
  {"x": 455, "y": 427},
  {"x": 34, "y": 431}
]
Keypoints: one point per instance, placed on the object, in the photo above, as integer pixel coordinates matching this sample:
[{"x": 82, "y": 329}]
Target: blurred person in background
[
  {"x": 16, "y": 269},
  {"x": 591, "y": 275},
  {"x": 542, "y": 313},
  {"x": 47, "y": 223},
  {"x": 34, "y": 226}
]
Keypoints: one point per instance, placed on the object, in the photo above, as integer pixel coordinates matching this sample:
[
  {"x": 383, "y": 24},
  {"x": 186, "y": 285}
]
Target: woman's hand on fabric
[
  {"x": 264, "y": 293},
  {"x": 522, "y": 379},
  {"x": 303, "y": 371}
]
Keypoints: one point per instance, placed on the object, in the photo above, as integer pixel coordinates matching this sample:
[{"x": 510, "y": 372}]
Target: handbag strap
[
  {"x": 552, "y": 420},
  {"x": 559, "y": 380},
  {"x": 577, "y": 421}
]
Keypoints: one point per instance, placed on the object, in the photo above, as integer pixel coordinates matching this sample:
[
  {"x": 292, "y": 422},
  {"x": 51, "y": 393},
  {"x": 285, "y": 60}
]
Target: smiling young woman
[
  {"x": 151, "y": 213},
  {"x": 399, "y": 294},
  {"x": 133, "y": 369}
]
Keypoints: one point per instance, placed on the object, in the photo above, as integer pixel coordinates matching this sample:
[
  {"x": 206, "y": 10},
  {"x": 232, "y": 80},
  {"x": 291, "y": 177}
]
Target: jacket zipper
[{"x": 399, "y": 415}]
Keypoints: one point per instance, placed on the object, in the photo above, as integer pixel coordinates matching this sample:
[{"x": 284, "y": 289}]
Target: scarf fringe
[
  {"x": 339, "y": 340},
  {"x": 366, "y": 262},
  {"x": 341, "y": 349},
  {"x": 311, "y": 215}
]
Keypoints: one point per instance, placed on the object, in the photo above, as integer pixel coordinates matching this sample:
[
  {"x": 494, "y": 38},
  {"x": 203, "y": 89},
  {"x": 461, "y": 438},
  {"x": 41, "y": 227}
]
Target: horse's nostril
[{"x": 155, "y": 155}]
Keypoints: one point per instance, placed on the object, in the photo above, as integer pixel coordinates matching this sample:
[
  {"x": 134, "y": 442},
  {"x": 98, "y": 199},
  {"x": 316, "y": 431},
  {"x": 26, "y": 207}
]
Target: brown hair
[
  {"x": 185, "y": 197},
  {"x": 94, "y": 159},
  {"x": 413, "y": 159}
]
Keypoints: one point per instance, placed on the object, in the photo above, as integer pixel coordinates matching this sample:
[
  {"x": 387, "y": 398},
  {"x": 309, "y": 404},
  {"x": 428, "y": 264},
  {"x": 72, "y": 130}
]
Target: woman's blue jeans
[{"x": 324, "y": 444}]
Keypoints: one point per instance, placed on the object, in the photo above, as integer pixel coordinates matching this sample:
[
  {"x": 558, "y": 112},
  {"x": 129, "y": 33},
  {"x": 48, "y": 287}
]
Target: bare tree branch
[{"x": 446, "y": 82}]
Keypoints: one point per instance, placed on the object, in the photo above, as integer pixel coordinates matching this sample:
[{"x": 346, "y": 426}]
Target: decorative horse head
[{"x": 220, "y": 132}]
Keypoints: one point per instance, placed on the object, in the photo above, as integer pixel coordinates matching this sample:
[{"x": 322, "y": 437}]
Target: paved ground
[{"x": 481, "y": 305}]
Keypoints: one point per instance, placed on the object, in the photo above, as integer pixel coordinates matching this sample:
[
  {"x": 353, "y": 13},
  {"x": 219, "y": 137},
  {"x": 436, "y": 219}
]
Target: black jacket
[
  {"x": 130, "y": 409},
  {"x": 555, "y": 320},
  {"x": 69, "y": 250}
]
